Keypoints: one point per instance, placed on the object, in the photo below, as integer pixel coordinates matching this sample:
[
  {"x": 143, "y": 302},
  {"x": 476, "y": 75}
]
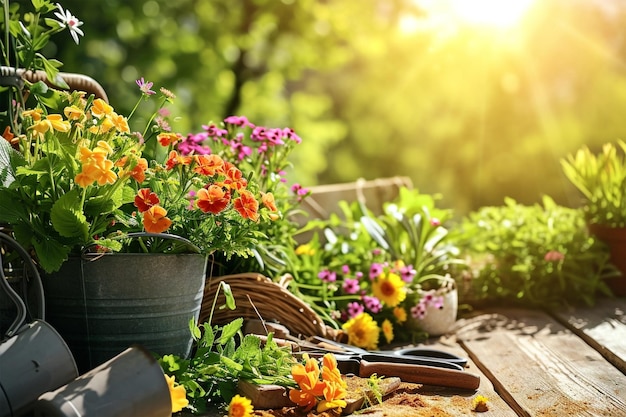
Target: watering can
[
  {"x": 34, "y": 358},
  {"x": 129, "y": 385}
]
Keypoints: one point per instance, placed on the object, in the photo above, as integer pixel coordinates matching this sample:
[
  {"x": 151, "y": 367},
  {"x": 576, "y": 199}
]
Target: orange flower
[
  {"x": 7, "y": 134},
  {"x": 167, "y": 138},
  {"x": 234, "y": 177},
  {"x": 154, "y": 220},
  {"x": 106, "y": 174},
  {"x": 268, "y": 201},
  {"x": 175, "y": 159},
  {"x": 145, "y": 199},
  {"x": 247, "y": 205},
  {"x": 307, "y": 378},
  {"x": 213, "y": 199},
  {"x": 209, "y": 165},
  {"x": 87, "y": 175},
  {"x": 139, "y": 171}
]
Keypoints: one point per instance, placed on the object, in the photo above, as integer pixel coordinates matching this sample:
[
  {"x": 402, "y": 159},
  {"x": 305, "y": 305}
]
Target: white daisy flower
[{"x": 70, "y": 21}]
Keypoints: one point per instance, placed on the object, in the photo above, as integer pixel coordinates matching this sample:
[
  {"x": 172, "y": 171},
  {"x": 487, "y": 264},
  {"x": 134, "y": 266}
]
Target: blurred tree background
[{"x": 466, "y": 107}]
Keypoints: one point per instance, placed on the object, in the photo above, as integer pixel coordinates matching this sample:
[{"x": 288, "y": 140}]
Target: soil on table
[{"x": 407, "y": 400}]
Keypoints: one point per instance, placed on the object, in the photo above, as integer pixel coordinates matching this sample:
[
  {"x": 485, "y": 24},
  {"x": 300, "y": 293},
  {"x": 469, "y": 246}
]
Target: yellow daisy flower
[
  {"x": 389, "y": 288},
  {"x": 240, "y": 407},
  {"x": 479, "y": 404},
  {"x": 362, "y": 331}
]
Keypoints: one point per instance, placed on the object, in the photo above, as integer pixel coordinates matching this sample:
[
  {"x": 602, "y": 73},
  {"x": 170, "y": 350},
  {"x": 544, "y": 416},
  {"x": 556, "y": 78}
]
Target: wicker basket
[{"x": 272, "y": 301}]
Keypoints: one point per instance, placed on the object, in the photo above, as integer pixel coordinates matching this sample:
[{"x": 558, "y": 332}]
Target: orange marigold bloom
[
  {"x": 209, "y": 165},
  {"x": 268, "y": 201},
  {"x": 213, "y": 199},
  {"x": 247, "y": 205},
  {"x": 155, "y": 220},
  {"x": 145, "y": 199}
]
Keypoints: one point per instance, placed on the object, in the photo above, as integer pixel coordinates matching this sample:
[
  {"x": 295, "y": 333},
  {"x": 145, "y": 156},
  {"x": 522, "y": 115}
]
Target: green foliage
[
  {"x": 601, "y": 179},
  {"x": 222, "y": 356},
  {"x": 539, "y": 255},
  {"x": 411, "y": 230}
]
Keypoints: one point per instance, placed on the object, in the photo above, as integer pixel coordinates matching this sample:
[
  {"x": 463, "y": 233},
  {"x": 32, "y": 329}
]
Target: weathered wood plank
[
  {"x": 541, "y": 368},
  {"x": 603, "y": 327},
  {"x": 459, "y": 403}
]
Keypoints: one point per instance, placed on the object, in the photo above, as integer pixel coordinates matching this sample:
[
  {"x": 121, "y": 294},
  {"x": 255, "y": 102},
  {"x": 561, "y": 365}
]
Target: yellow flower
[
  {"x": 387, "y": 328},
  {"x": 73, "y": 112},
  {"x": 389, "y": 288},
  {"x": 362, "y": 331},
  {"x": 240, "y": 407},
  {"x": 305, "y": 249},
  {"x": 479, "y": 404},
  {"x": 400, "y": 314},
  {"x": 101, "y": 108},
  {"x": 177, "y": 394}
]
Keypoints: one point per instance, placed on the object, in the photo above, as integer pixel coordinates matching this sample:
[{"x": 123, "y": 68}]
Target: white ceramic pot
[{"x": 439, "y": 319}]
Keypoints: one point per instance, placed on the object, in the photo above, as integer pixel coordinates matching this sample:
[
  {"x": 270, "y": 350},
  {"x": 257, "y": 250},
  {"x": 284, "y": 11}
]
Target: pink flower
[
  {"x": 351, "y": 286},
  {"x": 354, "y": 309},
  {"x": 145, "y": 86},
  {"x": 327, "y": 276},
  {"x": 554, "y": 256}
]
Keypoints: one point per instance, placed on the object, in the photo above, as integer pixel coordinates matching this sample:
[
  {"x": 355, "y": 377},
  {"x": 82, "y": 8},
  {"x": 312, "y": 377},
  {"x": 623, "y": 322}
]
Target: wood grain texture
[
  {"x": 541, "y": 368},
  {"x": 603, "y": 327}
]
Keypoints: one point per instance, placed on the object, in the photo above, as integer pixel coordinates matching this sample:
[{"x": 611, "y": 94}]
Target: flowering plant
[
  {"x": 325, "y": 389},
  {"x": 375, "y": 273},
  {"x": 74, "y": 175}
]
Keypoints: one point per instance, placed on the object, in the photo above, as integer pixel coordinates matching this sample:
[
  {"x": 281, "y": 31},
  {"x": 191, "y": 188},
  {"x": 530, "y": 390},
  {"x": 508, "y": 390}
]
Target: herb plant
[{"x": 222, "y": 356}]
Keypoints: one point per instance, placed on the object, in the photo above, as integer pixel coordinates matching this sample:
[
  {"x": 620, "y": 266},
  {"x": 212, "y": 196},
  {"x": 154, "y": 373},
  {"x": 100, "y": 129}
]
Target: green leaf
[
  {"x": 10, "y": 212},
  {"x": 8, "y": 155},
  {"x": 194, "y": 329},
  {"x": 68, "y": 218},
  {"x": 52, "y": 72},
  {"x": 230, "y": 330},
  {"x": 50, "y": 253},
  {"x": 228, "y": 295}
]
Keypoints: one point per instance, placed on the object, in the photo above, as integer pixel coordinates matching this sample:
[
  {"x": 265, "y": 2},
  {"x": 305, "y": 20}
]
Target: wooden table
[
  {"x": 532, "y": 363},
  {"x": 541, "y": 363}
]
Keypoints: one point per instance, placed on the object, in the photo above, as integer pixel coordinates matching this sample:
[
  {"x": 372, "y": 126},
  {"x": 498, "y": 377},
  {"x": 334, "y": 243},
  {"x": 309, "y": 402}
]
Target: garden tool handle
[{"x": 421, "y": 374}]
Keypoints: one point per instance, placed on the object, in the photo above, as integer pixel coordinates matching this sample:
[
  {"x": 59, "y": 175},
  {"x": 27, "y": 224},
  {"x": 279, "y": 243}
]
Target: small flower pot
[
  {"x": 440, "y": 318},
  {"x": 615, "y": 239}
]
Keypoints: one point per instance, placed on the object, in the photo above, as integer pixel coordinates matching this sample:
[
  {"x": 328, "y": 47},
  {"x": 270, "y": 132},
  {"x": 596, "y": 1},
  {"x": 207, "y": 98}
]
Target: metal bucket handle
[
  {"x": 21, "y": 306},
  {"x": 138, "y": 235}
]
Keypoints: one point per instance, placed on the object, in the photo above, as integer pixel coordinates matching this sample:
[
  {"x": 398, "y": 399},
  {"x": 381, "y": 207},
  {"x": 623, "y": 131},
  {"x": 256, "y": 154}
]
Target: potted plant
[
  {"x": 375, "y": 276},
  {"x": 539, "y": 256},
  {"x": 601, "y": 179},
  {"x": 82, "y": 191}
]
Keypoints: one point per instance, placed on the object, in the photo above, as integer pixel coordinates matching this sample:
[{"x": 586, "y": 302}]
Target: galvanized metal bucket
[
  {"x": 33, "y": 357},
  {"x": 130, "y": 385},
  {"x": 104, "y": 303}
]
